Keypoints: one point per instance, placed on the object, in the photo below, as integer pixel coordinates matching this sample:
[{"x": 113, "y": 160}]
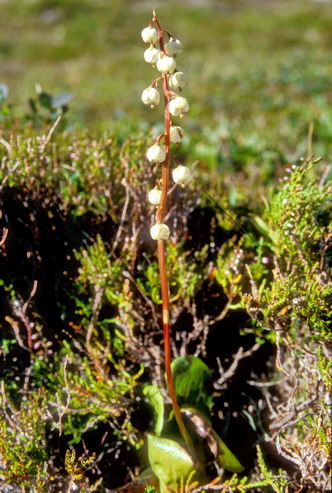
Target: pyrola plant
[{"x": 161, "y": 54}]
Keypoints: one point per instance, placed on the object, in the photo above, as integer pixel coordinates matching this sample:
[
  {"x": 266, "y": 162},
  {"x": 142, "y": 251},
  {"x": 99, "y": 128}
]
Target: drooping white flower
[
  {"x": 156, "y": 154},
  {"x": 154, "y": 196},
  {"x": 181, "y": 175},
  {"x": 176, "y": 134},
  {"x": 173, "y": 46},
  {"x": 151, "y": 55},
  {"x": 178, "y": 80},
  {"x": 150, "y": 96},
  {"x": 149, "y": 35},
  {"x": 178, "y": 106},
  {"x": 160, "y": 232},
  {"x": 166, "y": 64}
]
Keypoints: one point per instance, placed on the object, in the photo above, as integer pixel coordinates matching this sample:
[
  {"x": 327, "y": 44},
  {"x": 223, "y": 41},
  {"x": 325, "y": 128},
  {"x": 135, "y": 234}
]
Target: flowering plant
[
  {"x": 169, "y": 461},
  {"x": 161, "y": 53}
]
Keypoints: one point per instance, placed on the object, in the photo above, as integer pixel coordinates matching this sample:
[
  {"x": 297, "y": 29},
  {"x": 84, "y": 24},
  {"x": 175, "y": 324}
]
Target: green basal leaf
[
  {"x": 190, "y": 376},
  {"x": 155, "y": 398},
  {"x": 219, "y": 449},
  {"x": 170, "y": 463},
  {"x": 225, "y": 457}
]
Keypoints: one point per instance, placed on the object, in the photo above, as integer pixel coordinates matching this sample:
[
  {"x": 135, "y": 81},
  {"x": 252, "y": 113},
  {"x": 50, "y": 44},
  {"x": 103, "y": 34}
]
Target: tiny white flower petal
[
  {"x": 166, "y": 64},
  {"x": 156, "y": 154},
  {"x": 178, "y": 106},
  {"x": 151, "y": 54},
  {"x": 173, "y": 47},
  {"x": 176, "y": 134},
  {"x": 160, "y": 232},
  {"x": 178, "y": 80},
  {"x": 149, "y": 35},
  {"x": 181, "y": 175},
  {"x": 154, "y": 196},
  {"x": 150, "y": 96}
]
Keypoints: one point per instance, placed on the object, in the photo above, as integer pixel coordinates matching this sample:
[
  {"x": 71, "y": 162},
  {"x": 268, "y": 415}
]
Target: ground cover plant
[{"x": 85, "y": 405}]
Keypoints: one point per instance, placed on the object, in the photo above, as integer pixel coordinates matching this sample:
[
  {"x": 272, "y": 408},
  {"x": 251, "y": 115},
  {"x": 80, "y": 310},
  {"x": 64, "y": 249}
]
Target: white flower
[
  {"x": 181, "y": 175},
  {"x": 173, "y": 47},
  {"x": 178, "y": 106},
  {"x": 149, "y": 35},
  {"x": 178, "y": 80},
  {"x": 176, "y": 134},
  {"x": 154, "y": 196},
  {"x": 159, "y": 232},
  {"x": 166, "y": 64},
  {"x": 150, "y": 96},
  {"x": 151, "y": 55},
  {"x": 156, "y": 154}
]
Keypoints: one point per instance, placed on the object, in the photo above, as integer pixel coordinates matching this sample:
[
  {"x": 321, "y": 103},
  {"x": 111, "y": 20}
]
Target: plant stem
[
  {"x": 160, "y": 216},
  {"x": 167, "y": 344}
]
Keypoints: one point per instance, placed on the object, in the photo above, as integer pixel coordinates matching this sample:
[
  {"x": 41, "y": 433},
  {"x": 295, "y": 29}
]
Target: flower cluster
[{"x": 161, "y": 53}]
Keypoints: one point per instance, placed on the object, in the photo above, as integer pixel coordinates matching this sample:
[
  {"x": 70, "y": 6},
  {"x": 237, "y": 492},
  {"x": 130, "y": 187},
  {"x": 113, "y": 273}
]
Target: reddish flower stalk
[
  {"x": 160, "y": 217},
  {"x": 163, "y": 273}
]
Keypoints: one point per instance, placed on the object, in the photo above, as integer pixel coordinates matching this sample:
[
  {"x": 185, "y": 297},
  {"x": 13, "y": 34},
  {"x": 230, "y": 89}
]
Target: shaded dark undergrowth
[{"x": 39, "y": 245}]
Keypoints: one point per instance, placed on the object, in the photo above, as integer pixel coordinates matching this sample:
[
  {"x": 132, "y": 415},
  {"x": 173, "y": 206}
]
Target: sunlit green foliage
[
  {"x": 289, "y": 298},
  {"x": 299, "y": 221},
  {"x": 186, "y": 273},
  {"x": 22, "y": 441},
  {"x": 87, "y": 393}
]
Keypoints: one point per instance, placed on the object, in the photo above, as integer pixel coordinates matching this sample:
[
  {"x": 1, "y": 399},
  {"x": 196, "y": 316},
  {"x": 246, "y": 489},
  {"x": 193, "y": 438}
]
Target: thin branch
[
  {"x": 4, "y": 236},
  {"x": 123, "y": 215},
  {"x": 237, "y": 357},
  {"x": 10, "y": 172},
  {"x": 7, "y": 146},
  {"x": 50, "y": 133},
  {"x": 99, "y": 292}
]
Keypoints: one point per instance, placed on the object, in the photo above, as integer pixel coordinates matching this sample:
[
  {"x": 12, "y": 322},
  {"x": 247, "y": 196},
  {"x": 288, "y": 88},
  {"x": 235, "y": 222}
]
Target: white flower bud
[
  {"x": 176, "y": 134},
  {"x": 178, "y": 80},
  {"x": 151, "y": 55},
  {"x": 150, "y": 96},
  {"x": 166, "y": 64},
  {"x": 159, "y": 232},
  {"x": 181, "y": 175},
  {"x": 156, "y": 154},
  {"x": 173, "y": 47},
  {"x": 178, "y": 106},
  {"x": 149, "y": 35},
  {"x": 154, "y": 196}
]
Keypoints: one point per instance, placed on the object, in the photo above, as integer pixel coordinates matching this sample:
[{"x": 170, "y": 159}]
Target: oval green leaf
[
  {"x": 155, "y": 398},
  {"x": 191, "y": 375},
  {"x": 224, "y": 456},
  {"x": 170, "y": 463}
]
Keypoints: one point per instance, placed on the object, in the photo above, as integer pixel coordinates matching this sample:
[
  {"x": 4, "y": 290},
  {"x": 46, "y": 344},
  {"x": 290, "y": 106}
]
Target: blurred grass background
[{"x": 260, "y": 72}]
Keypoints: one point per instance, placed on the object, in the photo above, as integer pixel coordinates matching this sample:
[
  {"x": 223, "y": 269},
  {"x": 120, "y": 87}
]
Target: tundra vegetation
[{"x": 244, "y": 245}]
